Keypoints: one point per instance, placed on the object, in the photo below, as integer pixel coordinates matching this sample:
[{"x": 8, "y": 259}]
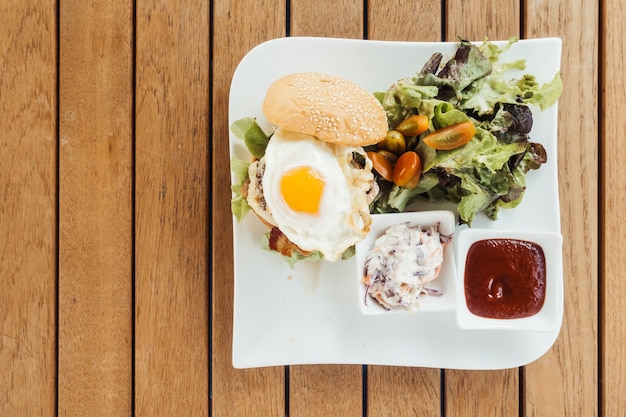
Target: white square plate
[{"x": 310, "y": 314}]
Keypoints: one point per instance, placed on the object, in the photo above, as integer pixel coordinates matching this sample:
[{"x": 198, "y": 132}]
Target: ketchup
[{"x": 505, "y": 278}]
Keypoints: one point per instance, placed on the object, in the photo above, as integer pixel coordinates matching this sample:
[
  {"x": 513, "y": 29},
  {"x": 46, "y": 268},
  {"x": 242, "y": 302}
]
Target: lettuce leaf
[
  {"x": 483, "y": 150},
  {"x": 404, "y": 96},
  {"x": 238, "y": 204},
  {"x": 396, "y": 199},
  {"x": 252, "y": 134},
  {"x": 256, "y": 140},
  {"x": 488, "y": 173},
  {"x": 548, "y": 94},
  {"x": 461, "y": 71},
  {"x": 483, "y": 96}
]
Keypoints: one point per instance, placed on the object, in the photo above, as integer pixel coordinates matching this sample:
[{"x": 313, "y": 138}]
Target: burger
[{"x": 313, "y": 185}]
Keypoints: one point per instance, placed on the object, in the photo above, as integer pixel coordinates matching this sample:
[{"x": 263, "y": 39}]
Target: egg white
[{"x": 343, "y": 218}]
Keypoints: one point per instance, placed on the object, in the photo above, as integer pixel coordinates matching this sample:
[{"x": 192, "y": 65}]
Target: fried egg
[{"x": 315, "y": 193}]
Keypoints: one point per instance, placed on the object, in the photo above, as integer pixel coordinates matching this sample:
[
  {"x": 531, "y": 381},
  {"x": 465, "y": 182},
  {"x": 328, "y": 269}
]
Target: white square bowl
[
  {"x": 444, "y": 283},
  {"x": 549, "y": 317}
]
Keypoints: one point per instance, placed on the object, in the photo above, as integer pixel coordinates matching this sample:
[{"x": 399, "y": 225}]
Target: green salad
[
  {"x": 483, "y": 173},
  {"x": 487, "y": 173}
]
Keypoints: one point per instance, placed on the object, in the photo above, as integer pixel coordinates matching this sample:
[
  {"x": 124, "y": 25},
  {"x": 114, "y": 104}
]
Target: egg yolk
[{"x": 302, "y": 189}]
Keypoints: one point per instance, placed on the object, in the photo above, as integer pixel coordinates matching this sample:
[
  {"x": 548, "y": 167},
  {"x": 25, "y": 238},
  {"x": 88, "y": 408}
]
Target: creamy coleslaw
[{"x": 401, "y": 264}]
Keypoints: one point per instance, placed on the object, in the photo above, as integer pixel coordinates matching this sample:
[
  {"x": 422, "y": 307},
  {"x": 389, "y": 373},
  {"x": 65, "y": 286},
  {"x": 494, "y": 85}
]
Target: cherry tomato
[
  {"x": 408, "y": 170},
  {"x": 391, "y": 157},
  {"x": 413, "y": 125},
  {"x": 451, "y": 137},
  {"x": 382, "y": 165},
  {"x": 394, "y": 142}
]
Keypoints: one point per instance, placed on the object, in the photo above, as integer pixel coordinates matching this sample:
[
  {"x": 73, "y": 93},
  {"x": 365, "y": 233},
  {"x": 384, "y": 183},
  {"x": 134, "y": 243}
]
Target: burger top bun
[{"x": 328, "y": 107}]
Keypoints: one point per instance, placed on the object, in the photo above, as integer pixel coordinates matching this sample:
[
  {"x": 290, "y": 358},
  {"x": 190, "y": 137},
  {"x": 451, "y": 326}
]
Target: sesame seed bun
[{"x": 328, "y": 107}]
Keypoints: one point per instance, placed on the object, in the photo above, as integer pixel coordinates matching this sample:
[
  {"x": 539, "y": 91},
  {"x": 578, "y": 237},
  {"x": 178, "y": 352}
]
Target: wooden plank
[
  {"x": 28, "y": 185},
  {"x": 95, "y": 209},
  {"x": 394, "y": 21},
  {"x": 564, "y": 381},
  {"x": 171, "y": 275},
  {"x": 324, "y": 390},
  {"x": 475, "y": 20},
  {"x": 482, "y": 393},
  {"x": 613, "y": 200},
  {"x": 401, "y": 391},
  {"x": 327, "y": 18},
  {"x": 238, "y": 26},
  {"x": 313, "y": 391},
  {"x": 488, "y": 393}
]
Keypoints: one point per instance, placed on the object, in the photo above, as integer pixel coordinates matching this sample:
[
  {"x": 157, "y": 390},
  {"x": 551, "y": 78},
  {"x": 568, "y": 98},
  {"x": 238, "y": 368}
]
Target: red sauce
[{"x": 505, "y": 278}]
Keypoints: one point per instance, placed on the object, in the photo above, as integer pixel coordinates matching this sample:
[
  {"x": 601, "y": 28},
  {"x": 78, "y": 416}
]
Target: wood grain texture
[
  {"x": 475, "y": 20},
  {"x": 95, "y": 209},
  {"x": 175, "y": 107},
  {"x": 392, "y": 20},
  {"x": 238, "y": 26},
  {"x": 28, "y": 144},
  {"x": 172, "y": 180},
  {"x": 328, "y": 18},
  {"x": 311, "y": 388},
  {"x": 612, "y": 226},
  {"x": 401, "y": 391},
  {"x": 482, "y": 393},
  {"x": 489, "y": 393},
  {"x": 564, "y": 381},
  {"x": 325, "y": 390}
]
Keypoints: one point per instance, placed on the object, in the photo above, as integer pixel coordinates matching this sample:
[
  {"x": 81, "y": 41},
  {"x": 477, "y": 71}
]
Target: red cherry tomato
[
  {"x": 451, "y": 137},
  {"x": 382, "y": 165},
  {"x": 408, "y": 170},
  {"x": 413, "y": 125},
  {"x": 391, "y": 157}
]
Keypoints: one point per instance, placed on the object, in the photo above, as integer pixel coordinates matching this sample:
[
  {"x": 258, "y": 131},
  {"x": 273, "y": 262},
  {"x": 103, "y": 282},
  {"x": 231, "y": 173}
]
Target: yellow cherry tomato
[
  {"x": 408, "y": 170},
  {"x": 394, "y": 142},
  {"x": 451, "y": 137},
  {"x": 413, "y": 125}
]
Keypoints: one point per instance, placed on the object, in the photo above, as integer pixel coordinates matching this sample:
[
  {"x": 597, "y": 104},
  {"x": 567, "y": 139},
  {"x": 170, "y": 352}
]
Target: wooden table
[{"x": 116, "y": 277}]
